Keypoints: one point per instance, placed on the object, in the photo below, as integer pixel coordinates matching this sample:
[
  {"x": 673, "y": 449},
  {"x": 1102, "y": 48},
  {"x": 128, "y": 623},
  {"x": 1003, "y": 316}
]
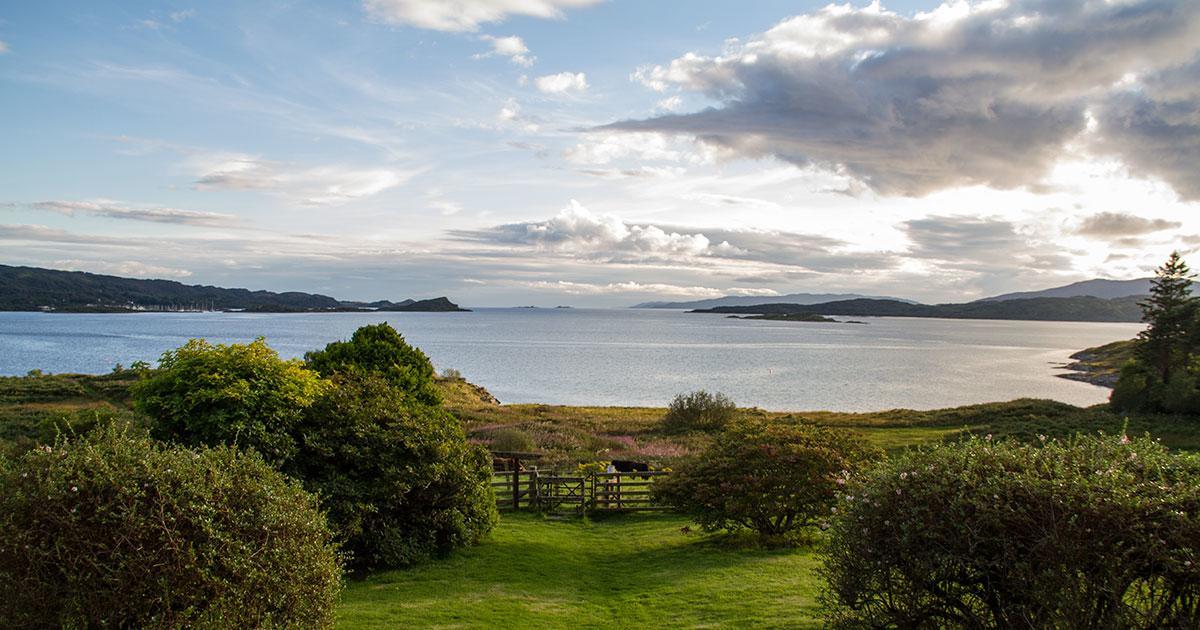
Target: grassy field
[{"x": 619, "y": 572}]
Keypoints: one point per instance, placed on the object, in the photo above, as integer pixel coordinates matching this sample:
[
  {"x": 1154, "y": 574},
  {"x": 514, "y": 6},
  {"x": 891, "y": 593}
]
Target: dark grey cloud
[
  {"x": 1154, "y": 127},
  {"x": 912, "y": 105},
  {"x": 1117, "y": 225}
]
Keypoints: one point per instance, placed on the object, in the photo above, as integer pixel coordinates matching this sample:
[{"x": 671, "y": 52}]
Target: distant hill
[
  {"x": 36, "y": 289},
  {"x": 1079, "y": 309},
  {"x": 746, "y": 300},
  {"x": 1107, "y": 289}
]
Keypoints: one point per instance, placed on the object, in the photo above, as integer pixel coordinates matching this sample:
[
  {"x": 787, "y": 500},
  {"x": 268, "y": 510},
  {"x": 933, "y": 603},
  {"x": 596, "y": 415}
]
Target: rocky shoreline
[{"x": 1100, "y": 365}]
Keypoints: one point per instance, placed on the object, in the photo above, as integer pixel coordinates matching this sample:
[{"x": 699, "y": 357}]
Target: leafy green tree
[
  {"x": 699, "y": 411},
  {"x": 399, "y": 480},
  {"x": 204, "y": 394},
  {"x": 380, "y": 349},
  {"x": 115, "y": 530},
  {"x": 1170, "y": 314},
  {"x": 774, "y": 478},
  {"x": 1095, "y": 532}
]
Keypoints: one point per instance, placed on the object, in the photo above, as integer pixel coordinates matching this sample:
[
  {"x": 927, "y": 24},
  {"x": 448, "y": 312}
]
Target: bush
[
  {"x": 1097, "y": 532},
  {"x": 773, "y": 478},
  {"x": 379, "y": 349},
  {"x": 510, "y": 440},
  {"x": 399, "y": 480},
  {"x": 228, "y": 394},
  {"x": 699, "y": 411},
  {"x": 119, "y": 531}
]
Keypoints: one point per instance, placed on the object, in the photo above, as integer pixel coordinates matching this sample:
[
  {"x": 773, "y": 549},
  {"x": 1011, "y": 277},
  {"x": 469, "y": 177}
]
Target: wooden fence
[{"x": 593, "y": 492}]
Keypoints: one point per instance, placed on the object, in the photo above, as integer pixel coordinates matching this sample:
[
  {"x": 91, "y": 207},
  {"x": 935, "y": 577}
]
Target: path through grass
[{"x": 619, "y": 572}]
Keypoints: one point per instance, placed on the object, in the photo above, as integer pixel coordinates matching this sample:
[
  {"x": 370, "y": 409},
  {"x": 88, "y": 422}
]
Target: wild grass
[{"x": 623, "y": 571}]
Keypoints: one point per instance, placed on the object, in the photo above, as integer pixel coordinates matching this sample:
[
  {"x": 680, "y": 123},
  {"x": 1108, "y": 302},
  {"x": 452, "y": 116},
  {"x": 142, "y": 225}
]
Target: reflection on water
[{"x": 629, "y": 357}]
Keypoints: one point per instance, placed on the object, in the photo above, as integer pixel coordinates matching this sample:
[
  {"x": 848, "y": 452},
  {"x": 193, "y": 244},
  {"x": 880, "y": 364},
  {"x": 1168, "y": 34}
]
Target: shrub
[
  {"x": 773, "y": 478},
  {"x": 113, "y": 530},
  {"x": 1097, "y": 532},
  {"x": 399, "y": 480},
  {"x": 228, "y": 394},
  {"x": 699, "y": 411},
  {"x": 511, "y": 440},
  {"x": 379, "y": 349}
]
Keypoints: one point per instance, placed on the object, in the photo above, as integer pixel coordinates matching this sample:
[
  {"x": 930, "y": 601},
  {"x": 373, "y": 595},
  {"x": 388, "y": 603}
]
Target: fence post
[{"x": 516, "y": 489}]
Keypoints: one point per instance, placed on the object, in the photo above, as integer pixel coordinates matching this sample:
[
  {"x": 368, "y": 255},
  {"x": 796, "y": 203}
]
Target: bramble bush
[
  {"x": 205, "y": 394},
  {"x": 113, "y": 530},
  {"x": 1095, "y": 532},
  {"x": 699, "y": 411},
  {"x": 380, "y": 349},
  {"x": 774, "y": 478},
  {"x": 399, "y": 480}
]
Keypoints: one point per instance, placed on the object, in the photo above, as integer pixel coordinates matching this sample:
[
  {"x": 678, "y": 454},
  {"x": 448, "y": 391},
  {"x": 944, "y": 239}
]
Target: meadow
[{"x": 624, "y": 570}]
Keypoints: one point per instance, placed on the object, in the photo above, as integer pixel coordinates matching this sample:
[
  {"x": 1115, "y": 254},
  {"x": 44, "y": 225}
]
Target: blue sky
[{"x": 599, "y": 152}]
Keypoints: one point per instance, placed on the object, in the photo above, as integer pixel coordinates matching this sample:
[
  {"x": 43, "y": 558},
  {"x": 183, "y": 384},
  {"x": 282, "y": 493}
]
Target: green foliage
[
  {"x": 1097, "y": 532},
  {"x": 229, "y": 394},
  {"x": 699, "y": 411},
  {"x": 1164, "y": 374},
  {"x": 120, "y": 531},
  {"x": 379, "y": 349},
  {"x": 399, "y": 480},
  {"x": 771, "y": 477},
  {"x": 510, "y": 440}
]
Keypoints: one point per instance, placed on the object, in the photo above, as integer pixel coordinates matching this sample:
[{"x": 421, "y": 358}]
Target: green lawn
[{"x": 618, "y": 572}]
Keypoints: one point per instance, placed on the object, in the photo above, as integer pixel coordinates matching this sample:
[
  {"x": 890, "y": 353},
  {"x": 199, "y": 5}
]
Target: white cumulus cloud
[
  {"x": 465, "y": 15},
  {"x": 562, "y": 83}
]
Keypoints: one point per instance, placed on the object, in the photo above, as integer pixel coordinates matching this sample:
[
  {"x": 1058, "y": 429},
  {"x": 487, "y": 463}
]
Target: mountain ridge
[{"x": 39, "y": 289}]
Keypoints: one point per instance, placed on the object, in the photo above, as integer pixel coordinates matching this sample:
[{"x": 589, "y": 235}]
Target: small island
[{"x": 788, "y": 317}]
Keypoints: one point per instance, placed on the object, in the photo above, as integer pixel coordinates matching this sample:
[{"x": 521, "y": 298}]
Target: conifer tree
[{"x": 1168, "y": 313}]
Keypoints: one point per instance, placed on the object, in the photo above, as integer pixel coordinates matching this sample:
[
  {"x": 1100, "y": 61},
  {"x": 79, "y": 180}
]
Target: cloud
[
  {"x": 465, "y": 15},
  {"x": 1154, "y": 127},
  {"x": 967, "y": 94},
  {"x": 655, "y": 288},
  {"x": 312, "y": 186},
  {"x": 1115, "y": 225},
  {"x": 153, "y": 214},
  {"x": 42, "y": 233},
  {"x": 512, "y": 47},
  {"x": 124, "y": 268},
  {"x": 965, "y": 241},
  {"x": 3, "y": 47},
  {"x": 562, "y": 83},
  {"x": 576, "y": 232}
]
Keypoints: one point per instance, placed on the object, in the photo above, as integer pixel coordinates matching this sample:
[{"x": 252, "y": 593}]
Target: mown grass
[{"x": 620, "y": 572}]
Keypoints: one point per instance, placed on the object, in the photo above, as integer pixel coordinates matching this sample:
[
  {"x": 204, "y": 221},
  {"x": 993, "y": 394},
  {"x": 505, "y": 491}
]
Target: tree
[
  {"x": 206, "y": 394},
  {"x": 380, "y": 349},
  {"x": 117, "y": 530},
  {"x": 699, "y": 411},
  {"x": 399, "y": 480},
  {"x": 770, "y": 477},
  {"x": 1169, "y": 313}
]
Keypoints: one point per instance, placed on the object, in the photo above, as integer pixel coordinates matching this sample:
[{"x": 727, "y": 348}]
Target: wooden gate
[{"x": 624, "y": 491}]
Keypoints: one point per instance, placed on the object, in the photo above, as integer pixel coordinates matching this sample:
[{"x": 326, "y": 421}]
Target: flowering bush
[
  {"x": 1098, "y": 532},
  {"x": 119, "y": 531},
  {"x": 771, "y": 477}
]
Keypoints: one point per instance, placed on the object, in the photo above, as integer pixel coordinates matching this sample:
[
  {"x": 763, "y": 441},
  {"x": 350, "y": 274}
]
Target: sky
[{"x": 601, "y": 152}]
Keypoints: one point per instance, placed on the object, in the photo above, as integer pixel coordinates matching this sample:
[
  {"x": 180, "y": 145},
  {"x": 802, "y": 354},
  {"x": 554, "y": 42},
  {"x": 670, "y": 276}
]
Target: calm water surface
[{"x": 629, "y": 357}]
